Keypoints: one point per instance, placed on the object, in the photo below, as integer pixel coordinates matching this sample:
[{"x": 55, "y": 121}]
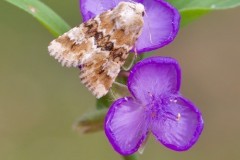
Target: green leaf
[
  {"x": 119, "y": 90},
  {"x": 204, "y": 4},
  {"x": 190, "y": 15},
  {"x": 193, "y": 9},
  {"x": 45, "y": 15},
  {"x": 104, "y": 102}
]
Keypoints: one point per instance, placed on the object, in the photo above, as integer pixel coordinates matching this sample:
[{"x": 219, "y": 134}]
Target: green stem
[{"x": 131, "y": 157}]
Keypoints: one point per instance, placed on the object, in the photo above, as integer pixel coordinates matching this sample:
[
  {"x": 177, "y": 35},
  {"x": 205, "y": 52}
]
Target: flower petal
[
  {"x": 91, "y": 8},
  {"x": 161, "y": 24},
  {"x": 179, "y": 125},
  {"x": 154, "y": 76},
  {"x": 125, "y": 126}
]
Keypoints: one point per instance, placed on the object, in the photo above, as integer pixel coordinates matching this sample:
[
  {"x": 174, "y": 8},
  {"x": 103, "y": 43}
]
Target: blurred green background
[{"x": 39, "y": 99}]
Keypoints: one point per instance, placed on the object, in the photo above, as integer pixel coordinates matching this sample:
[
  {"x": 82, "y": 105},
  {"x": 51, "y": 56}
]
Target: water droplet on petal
[
  {"x": 173, "y": 100},
  {"x": 178, "y": 116}
]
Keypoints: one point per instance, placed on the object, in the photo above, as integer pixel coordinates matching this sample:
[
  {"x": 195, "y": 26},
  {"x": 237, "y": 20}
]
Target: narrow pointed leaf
[
  {"x": 45, "y": 15},
  {"x": 193, "y": 9}
]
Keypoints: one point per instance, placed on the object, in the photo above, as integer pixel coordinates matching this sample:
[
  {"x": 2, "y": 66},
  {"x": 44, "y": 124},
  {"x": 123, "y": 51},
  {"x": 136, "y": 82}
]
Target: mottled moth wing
[{"x": 99, "y": 47}]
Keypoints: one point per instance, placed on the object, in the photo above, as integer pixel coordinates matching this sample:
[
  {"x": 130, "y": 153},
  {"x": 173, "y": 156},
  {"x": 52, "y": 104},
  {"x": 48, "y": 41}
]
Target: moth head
[
  {"x": 139, "y": 9},
  {"x": 131, "y": 8},
  {"x": 129, "y": 14}
]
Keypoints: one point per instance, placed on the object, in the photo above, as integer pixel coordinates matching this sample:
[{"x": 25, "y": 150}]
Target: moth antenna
[
  {"x": 149, "y": 30},
  {"x": 135, "y": 51}
]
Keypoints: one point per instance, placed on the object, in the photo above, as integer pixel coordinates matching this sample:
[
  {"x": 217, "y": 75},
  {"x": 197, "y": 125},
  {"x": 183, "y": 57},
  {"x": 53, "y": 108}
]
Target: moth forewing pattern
[{"x": 100, "y": 46}]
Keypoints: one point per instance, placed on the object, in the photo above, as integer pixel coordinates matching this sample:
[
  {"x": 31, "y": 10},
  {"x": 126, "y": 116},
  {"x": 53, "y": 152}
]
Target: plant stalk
[{"x": 131, "y": 157}]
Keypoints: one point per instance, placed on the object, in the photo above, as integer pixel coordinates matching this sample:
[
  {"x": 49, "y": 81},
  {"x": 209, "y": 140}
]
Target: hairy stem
[{"x": 131, "y": 157}]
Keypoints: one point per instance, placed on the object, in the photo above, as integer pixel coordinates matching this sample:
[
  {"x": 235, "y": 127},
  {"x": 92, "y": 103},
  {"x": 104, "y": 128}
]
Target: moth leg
[{"x": 135, "y": 51}]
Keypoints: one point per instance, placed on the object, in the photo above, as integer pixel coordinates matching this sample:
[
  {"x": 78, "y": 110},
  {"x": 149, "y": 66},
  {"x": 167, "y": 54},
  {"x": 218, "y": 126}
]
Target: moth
[{"x": 100, "y": 46}]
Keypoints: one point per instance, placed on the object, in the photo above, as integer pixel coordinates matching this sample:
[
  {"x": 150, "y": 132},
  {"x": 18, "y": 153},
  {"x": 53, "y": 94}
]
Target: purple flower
[
  {"x": 161, "y": 22},
  {"x": 156, "y": 107}
]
